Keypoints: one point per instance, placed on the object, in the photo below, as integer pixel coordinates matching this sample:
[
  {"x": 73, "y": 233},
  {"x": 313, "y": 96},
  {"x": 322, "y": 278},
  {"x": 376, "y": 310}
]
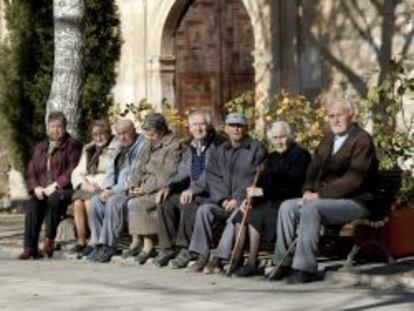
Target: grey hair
[
  {"x": 344, "y": 102},
  {"x": 205, "y": 114},
  {"x": 125, "y": 123},
  {"x": 282, "y": 124}
]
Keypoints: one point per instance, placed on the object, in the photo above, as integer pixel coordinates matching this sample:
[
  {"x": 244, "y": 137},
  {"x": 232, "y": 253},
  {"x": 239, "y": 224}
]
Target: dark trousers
[
  {"x": 50, "y": 210},
  {"x": 176, "y": 222}
]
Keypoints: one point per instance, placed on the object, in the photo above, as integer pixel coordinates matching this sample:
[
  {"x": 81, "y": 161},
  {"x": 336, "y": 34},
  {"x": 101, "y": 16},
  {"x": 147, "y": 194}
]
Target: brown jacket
[
  {"x": 350, "y": 173},
  {"x": 64, "y": 159},
  {"x": 158, "y": 165}
]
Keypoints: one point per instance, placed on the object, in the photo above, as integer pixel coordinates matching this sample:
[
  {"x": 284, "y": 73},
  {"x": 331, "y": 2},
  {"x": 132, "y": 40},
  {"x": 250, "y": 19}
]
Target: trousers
[{"x": 305, "y": 221}]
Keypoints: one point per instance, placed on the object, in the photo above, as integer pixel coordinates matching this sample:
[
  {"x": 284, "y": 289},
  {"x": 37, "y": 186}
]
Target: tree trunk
[{"x": 67, "y": 81}]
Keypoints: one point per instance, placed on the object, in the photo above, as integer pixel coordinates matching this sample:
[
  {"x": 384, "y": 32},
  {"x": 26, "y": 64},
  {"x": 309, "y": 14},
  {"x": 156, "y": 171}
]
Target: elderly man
[
  {"x": 184, "y": 193},
  {"x": 49, "y": 185},
  {"x": 338, "y": 189},
  {"x": 107, "y": 208},
  {"x": 229, "y": 173}
]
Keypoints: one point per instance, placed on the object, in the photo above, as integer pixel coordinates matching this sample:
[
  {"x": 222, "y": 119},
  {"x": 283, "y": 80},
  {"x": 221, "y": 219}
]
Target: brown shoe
[
  {"x": 28, "y": 253},
  {"x": 48, "y": 247},
  {"x": 215, "y": 265},
  {"x": 199, "y": 265}
]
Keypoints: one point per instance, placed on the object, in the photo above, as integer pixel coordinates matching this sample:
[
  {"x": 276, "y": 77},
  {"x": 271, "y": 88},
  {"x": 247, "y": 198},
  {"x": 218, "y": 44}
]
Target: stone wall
[
  {"x": 146, "y": 68},
  {"x": 310, "y": 47}
]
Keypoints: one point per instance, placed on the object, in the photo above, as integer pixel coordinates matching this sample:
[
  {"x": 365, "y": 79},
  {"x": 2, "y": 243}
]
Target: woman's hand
[
  {"x": 134, "y": 191},
  {"x": 38, "y": 191},
  {"x": 88, "y": 187},
  {"x": 49, "y": 190}
]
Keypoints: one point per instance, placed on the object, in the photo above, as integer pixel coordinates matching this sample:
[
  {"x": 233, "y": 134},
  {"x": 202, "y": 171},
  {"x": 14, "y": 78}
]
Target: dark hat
[
  {"x": 155, "y": 121},
  {"x": 236, "y": 118}
]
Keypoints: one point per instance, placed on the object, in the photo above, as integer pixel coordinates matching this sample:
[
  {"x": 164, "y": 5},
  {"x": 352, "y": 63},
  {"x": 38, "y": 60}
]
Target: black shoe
[
  {"x": 77, "y": 248},
  {"x": 143, "y": 256},
  {"x": 247, "y": 270},
  {"x": 280, "y": 274},
  {"x": 235, "y": 267},
  {"x": 131, "y": 252},
  {"x": 182, "y": 259},
  {"x": 164, "y": 256},
  {"x": 300, "y": 277},
  {"x": 85, "y": 252},
  {"x": 105, "y": 254},
  {"x": 94, "y": 253},
  {"x": 199, "y": 265},
  {"x": 214, "y": 264}
]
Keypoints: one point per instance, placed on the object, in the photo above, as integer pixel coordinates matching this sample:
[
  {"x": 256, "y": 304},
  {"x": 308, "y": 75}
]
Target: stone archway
[{"x": 206, "y": 54}]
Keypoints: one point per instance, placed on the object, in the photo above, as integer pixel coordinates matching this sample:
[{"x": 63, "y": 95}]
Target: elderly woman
[
  {"x": 147, "y": 180},
  {"x": 49, "y": 185},
  {"x": 282, "y": 178},
  {"x": 88, "y": 177}
]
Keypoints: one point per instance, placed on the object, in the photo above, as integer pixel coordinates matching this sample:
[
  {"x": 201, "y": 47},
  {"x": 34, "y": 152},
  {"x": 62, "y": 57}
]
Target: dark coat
[
  {"x": 182, "y": 179},
  {"x": 350, "y": 173},
  {"x": 284, "y": 174},
  {"x": 63, "y": 161},
  {"x": 282, "y": 178},
  {"x": 231, "y": 170}
]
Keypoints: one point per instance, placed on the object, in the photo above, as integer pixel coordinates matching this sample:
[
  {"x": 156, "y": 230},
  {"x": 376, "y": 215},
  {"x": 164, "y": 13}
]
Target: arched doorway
[{"x": 213, "y": 50}]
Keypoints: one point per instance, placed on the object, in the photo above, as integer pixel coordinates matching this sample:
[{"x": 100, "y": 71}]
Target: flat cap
[{"x": 235, "y": 118}]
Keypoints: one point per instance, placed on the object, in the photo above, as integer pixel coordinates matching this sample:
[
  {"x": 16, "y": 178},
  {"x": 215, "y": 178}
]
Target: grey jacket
[
  {"x": 231, "y": 170},
  {"x": 120, "y": 183},
  {"x": 182, "y": 179}
]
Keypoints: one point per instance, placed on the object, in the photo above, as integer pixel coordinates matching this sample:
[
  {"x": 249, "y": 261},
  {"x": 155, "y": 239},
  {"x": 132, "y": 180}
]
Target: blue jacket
[{"x": 133, "y": 159}]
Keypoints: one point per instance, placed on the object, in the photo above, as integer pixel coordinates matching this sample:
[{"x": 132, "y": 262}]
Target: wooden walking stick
[
  {"x": 243, "y": 223},
  {"x": 285, "y": 256}
]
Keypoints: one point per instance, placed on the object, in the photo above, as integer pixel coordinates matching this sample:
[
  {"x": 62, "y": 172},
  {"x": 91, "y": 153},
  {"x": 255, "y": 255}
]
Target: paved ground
[{"x": 61, "y": 284}]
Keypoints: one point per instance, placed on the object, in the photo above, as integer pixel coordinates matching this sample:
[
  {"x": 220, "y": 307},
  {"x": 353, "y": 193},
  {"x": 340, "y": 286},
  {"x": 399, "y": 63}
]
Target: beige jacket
[{"x": 79, "y": 174}]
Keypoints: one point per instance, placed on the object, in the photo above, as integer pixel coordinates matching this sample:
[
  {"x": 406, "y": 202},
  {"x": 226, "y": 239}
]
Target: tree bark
[{"x": 67, "y": 81}]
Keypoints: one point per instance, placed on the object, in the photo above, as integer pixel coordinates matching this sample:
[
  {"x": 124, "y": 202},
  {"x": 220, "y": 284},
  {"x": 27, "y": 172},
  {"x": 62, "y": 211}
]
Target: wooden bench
[{"x": 370, "y": 233}]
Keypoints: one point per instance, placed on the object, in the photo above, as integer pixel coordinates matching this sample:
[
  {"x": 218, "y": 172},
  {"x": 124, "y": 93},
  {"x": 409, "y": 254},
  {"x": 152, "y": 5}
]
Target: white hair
[
  {"x": 344, "y": 102},
  {"x": 125, "y": 124},
  {"x": 280, "y": 124},
  {"x": 205, "y": 114}
]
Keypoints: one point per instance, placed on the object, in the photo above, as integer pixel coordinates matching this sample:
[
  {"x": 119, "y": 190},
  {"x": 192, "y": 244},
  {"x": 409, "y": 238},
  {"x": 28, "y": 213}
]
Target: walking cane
[
  {"x": 285, "y": 256},
  {"x": 243, "y": 223}
]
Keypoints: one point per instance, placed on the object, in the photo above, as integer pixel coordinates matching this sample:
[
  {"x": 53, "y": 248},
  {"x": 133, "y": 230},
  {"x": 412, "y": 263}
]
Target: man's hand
[
  {"x": 186, "y": 197},
  {"x": 309, "y": 197},
  {"x": 162, "y": 195},
  {"x": 229, "y": 205},
  {"x": 246, "y": 206},
  {"x": 88, "y": 187},
  {"x": 104, "y": 195},
  {"x": 254, "y": 192},
  {"x": 38, "y": 191},
  {"x": 48, "y": 191}
]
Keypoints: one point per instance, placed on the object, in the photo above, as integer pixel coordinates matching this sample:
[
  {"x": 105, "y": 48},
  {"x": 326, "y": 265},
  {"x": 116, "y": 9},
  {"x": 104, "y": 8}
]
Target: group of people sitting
[{"x": 181, "y": 195}]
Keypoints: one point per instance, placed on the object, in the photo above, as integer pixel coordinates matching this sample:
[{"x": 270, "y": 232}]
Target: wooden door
[{"x": 213, "y": 50}]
